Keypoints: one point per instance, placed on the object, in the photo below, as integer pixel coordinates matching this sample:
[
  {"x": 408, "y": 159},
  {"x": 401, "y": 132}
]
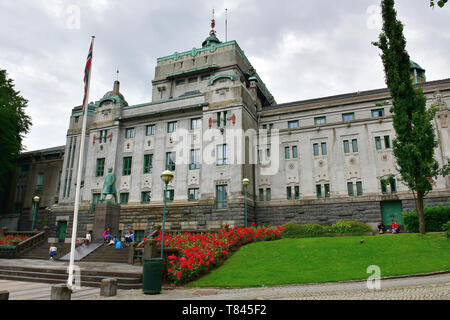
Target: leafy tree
[
  {"x": 415, "y": 139},
  {"x": 14, "y": 123},
  {"x": 440, "y": 3}
]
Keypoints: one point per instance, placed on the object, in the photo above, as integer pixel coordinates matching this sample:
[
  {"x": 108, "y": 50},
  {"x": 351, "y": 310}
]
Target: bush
[
  {"x": 294, "y": 230},
  {"x": 446, "y": 228},
  {"x": 435, "y": 218}
]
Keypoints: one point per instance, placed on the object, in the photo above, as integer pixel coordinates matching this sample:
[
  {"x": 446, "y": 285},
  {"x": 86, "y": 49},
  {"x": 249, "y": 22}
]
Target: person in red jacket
[{"x": 394, "y": 227}]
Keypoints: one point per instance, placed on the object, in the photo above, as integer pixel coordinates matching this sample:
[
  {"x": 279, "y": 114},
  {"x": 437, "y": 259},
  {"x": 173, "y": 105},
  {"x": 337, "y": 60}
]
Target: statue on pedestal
[{"x": 109, "y": 186}]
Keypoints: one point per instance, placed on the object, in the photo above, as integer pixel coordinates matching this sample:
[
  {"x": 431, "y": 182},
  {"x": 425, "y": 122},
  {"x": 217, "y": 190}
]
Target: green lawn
[{"x": 313, "y": 260}]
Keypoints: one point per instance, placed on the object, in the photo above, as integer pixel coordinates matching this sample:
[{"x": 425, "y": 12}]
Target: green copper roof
[
  {"x": 191, "y": 71},
  {"x": 414, "y": 65},
  {"x": 212, "y": 39},
  {"x": 77, "y": 111}
]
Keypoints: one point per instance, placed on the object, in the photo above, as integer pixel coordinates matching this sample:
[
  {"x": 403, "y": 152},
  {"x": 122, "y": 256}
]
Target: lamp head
[
  {"x": 245, "y": 182},
  {"x": 167, "y": 176},
  {"x": 36, "y": 199}
]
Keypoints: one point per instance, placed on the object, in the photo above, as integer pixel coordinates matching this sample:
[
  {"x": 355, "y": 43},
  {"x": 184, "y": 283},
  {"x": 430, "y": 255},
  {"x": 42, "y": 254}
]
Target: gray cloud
[{"x": 301, "y": 49}]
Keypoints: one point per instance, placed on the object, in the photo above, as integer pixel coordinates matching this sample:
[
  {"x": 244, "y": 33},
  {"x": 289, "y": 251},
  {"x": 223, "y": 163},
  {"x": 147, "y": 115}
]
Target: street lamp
[
  {"x": 245, "y": 183},
  {"x": 166, "y": 177},
  {"x": 36, "y": 200}
]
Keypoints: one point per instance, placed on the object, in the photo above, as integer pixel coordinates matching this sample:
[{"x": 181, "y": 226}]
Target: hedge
[
  {"x": 435, "y": 218},
  {"x": 294, "y": 230}
]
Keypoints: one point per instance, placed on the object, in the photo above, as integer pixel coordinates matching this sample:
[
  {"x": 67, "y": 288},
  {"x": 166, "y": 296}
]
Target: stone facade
[{"x": 317, "y": 160}]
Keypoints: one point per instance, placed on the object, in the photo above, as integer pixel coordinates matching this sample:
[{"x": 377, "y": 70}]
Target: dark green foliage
[
  {"x": 293, "y": 230},
  {"x": 436, "y": 219},
  {"x": 440, "y": 3},
  {"x": 14, "y": 123}
]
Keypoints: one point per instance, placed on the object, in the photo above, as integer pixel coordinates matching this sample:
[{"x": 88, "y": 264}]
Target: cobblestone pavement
[
  {"x": 436, "y": 287},
  {"x": 41, "y": 291}
]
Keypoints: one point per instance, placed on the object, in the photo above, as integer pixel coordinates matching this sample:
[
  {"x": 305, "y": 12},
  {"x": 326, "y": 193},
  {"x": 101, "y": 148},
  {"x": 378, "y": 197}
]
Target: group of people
[
  {"x": 115, "y": 241},
  {"x": 382, "y": 227}
]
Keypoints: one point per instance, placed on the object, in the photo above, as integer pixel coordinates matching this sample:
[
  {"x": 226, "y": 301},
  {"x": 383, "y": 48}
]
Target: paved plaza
[{"x": 436, "y": 287}]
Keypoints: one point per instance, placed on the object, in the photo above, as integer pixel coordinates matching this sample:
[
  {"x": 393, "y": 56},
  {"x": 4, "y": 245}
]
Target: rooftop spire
[{"x": 213, "y": 25}]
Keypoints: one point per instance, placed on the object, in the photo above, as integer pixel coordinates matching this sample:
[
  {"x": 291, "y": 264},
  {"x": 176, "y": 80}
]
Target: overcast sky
[{"x": 301, "y": 49}]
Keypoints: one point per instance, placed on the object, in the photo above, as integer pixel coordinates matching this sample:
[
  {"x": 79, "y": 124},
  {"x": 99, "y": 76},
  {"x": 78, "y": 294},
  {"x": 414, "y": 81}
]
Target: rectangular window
[
  {"x": 193, "y": 194},
  {"x": 270, "y": 126},
  {"x": 359, "y": 189},
  {"x": 378, "y": 143},
  {"x": 264, "y": 126},
  {"x": 377, "y": 113},
  {"x": 384, "y": 188},
  {"x": 192, "y": 79},
  {"x": 293, "y": 124},
  {"x": 224, "y": 118},
  {"x": 221, "y": 197},
  {"x": 319, "y": 190},
  {"x": 129, "y": 133},
  {"x": 40, "y": 181},
  {"x": 222, "y": 155},
  {"x": 126, "y": 171},
  {"x": 355, "y": 145},
  {"x": 268, "y": 194},
  {"x": 350, "y": 189},
  {"x": 150, "y": 130},
  {"x": 297, "y": 192},
  {"x": 218, "y": 119},
  {"x": 393, "y": 186},
  {"x": 289, "y": 193},
  {"x": 100, "y": 168},
  {"x": 327, "y": 191},
  {"x": 316, "y": 149},
  {"x": 348, "y": 116},
  {"x": 171, "y": 126},
  {"x": 103, "y": 135},
  {"x": 205, "y": 77},
  {"x": 346, "y": 146},
  {"x": 95, "y": 199},
  {"x": 170, "y": 161},
  {"x": 148, "y": 163},
  {"x": 196, "y": 124},
  {"x": 124, "y": 198},
  {"x": 294, "y": 152},
  {"x": 195, "y": 159},
  {"x": 261, "y": 194},
  {"x": 267, "y": 153},
  {"x": 286, "y": 153},
  {"x": 387, "y": 142},
  {"x": 170, "y": 195},
  {"x": 145, "y": 197},
  {"x": 179, "y": 82},
  {"x": 320, "y": 120},
  {"x": 324, "y": 148}
]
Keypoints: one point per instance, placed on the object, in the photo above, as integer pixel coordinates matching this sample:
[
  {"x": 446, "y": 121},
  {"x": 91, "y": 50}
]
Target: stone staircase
[
  {"x": 108, "y": 254},
  {"x": 42, "y": 251},
  {"x": 55, "y": 275}
]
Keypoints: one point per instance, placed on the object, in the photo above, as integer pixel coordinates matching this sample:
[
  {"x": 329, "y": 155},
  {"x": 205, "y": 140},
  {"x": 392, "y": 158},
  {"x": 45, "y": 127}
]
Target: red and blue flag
[{"x": 87, "y": 70}]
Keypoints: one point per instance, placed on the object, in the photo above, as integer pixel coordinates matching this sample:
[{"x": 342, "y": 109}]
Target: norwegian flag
[{"x": 87, "y": 70}]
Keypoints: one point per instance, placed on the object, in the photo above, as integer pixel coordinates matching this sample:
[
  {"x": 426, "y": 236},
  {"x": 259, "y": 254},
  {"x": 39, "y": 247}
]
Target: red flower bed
[
  {"x": 8, "y": 240},
  {"x": 202, "y": 252}
]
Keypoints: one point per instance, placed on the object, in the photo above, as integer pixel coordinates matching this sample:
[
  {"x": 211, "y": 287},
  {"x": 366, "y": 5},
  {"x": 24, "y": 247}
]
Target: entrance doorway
[
  {"x": 62, "y": 227},
  {"x": 391, "y": 210}
]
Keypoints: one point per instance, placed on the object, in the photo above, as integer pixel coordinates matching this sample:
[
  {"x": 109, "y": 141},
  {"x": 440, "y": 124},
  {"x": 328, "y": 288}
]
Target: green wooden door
[
  {"x": 62, "y": 231},
  {"x": 391, "y": 210}
]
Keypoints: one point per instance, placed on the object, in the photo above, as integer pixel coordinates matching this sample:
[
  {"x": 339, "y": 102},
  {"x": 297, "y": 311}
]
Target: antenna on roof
[
  {"x": 117, "y": 72},
  {"x": 226, "y": 25}
]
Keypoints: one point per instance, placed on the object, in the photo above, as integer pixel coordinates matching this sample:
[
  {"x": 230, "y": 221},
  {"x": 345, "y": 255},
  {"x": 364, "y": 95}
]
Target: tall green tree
[
  {"x": 14, "y": 123},
  {"x": 415, "y": 139}
]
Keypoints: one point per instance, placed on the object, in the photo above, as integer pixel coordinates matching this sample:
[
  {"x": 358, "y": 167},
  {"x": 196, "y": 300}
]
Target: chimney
[{"x": 116, "y": 88}]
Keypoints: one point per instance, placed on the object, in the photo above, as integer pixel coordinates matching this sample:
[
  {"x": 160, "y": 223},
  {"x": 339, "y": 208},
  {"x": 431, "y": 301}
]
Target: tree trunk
[{"x": 420, "y": 212}]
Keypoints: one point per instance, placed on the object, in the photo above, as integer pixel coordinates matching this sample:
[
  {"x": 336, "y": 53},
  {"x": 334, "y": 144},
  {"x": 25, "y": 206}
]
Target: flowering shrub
[
  {"x": 8, "y": 240},
  {"x": 202, "y": 252}
]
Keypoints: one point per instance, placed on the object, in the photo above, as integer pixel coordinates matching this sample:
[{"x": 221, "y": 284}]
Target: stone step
[
  {"x": 94, "y": 284},
  {"x": 62, "y": 276}
]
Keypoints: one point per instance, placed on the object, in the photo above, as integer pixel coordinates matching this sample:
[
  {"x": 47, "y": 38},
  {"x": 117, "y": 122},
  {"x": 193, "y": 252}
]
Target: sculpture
[{"x": 109, "y": 186}]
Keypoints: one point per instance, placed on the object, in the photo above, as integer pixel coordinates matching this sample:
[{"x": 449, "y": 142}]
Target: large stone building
[{"x": 213, "y": 122}]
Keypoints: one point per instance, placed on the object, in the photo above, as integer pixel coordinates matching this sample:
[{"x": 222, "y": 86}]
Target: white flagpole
[{"x": 80, "y": 167}]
